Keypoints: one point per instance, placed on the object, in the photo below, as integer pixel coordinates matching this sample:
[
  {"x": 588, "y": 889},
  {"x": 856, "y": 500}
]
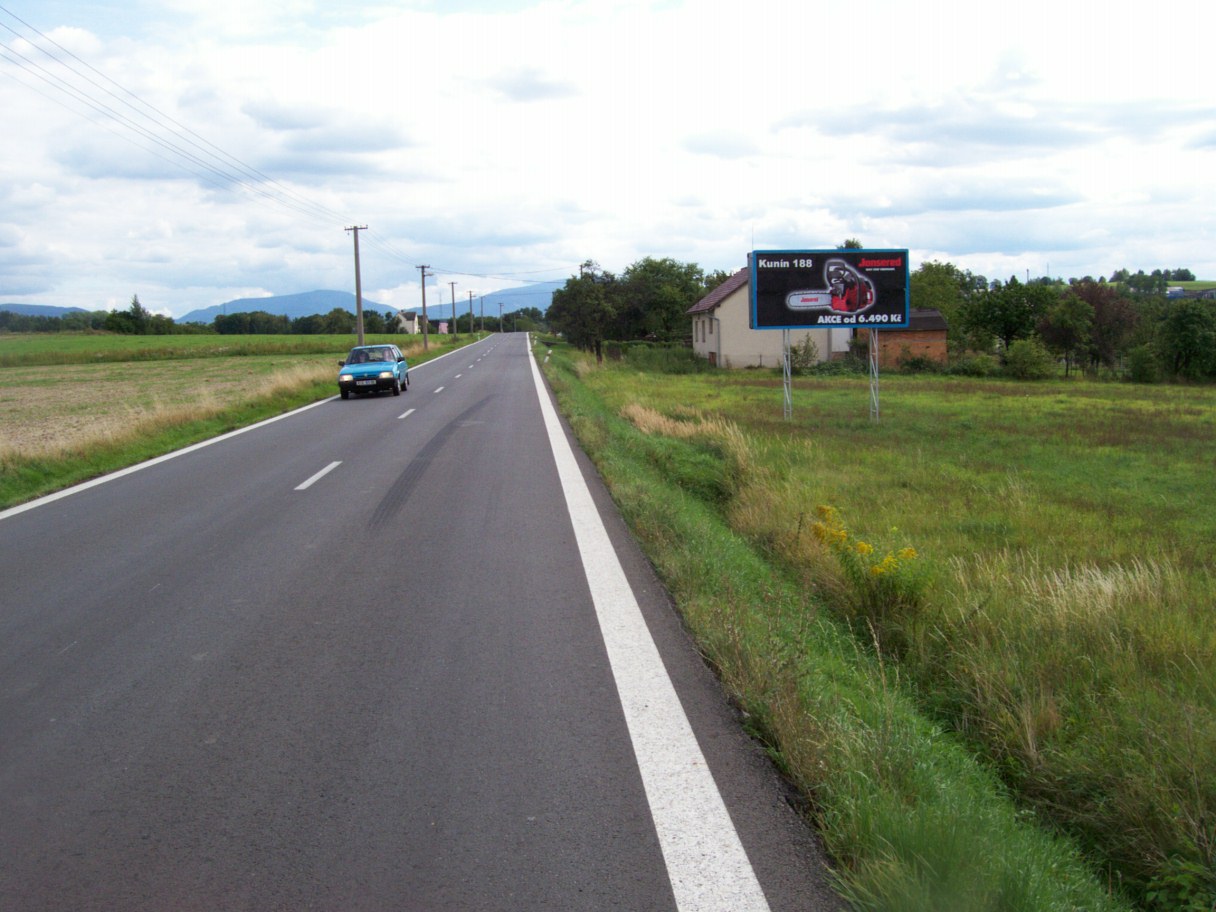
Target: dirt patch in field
[{"x": 46, "y": 409}]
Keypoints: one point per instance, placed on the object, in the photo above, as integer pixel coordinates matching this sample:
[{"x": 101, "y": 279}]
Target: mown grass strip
[{"x": 912, "y": 820}]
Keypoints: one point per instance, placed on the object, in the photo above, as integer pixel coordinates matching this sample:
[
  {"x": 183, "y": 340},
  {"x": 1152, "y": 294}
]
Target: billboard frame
[{"x": 857, "y": 288}]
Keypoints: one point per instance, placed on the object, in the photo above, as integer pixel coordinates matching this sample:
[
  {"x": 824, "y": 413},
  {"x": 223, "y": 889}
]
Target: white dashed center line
[{"x": 325, "y": 471}]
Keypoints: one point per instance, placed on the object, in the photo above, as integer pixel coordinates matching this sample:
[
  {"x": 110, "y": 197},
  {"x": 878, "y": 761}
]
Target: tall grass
[
  {"x": 1060, "y": 614},
  {"x": 913, "y": 821}
]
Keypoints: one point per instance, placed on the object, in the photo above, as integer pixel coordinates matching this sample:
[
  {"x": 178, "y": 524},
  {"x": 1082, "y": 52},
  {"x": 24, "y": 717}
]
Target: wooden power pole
[
  {"x": 425, "y": 328},
  {"x": 355, "y": 229}
]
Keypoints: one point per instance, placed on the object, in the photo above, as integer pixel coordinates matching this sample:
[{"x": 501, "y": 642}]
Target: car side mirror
[{"x": 342, "y": 363}]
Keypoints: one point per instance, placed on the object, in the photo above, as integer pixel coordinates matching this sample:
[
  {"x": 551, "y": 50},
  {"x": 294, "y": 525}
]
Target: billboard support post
[
  {"x": 788, "y": 408},
  {"x": 874, "y": 375}
]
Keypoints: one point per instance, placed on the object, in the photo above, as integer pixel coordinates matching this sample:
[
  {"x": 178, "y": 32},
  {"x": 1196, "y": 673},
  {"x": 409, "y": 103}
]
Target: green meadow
[{"x": 978, "y": 633}]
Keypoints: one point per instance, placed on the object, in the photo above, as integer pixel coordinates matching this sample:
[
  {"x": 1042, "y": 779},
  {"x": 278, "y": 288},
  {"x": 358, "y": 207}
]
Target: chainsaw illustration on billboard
[{"x": 848, "y": 291}]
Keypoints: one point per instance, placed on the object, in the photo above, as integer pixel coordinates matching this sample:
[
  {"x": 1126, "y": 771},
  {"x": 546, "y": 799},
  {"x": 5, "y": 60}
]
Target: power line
[
  {"x": 125, "y": 114},
  {"x": 151, "y": 124}
]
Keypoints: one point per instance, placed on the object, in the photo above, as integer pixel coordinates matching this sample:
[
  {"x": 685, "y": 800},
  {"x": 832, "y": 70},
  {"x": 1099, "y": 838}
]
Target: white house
[
  {"x": 721, "y": 330},
  {"x": 408, "y": 321}
]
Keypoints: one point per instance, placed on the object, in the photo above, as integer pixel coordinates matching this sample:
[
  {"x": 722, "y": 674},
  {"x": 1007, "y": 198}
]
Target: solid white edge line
[
  {"x": 706, "y": 862},
  {"x": 129, "y": 470},
  {"x": 314, "y": 479}
]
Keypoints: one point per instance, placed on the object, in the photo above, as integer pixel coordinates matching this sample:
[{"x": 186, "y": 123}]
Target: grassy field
[
  {"x": 27, "y": 349},
  {"x": 1030, "y": 565},
  {"x": 73, "y": 406}
]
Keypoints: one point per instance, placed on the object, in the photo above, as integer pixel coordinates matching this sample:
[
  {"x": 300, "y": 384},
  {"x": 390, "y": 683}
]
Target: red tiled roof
[{"x": 719, "y": 294}]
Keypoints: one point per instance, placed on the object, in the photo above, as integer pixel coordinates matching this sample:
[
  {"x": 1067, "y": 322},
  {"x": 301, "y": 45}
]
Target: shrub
[
  {"x": 804, "y": 356},
  {"x": 1027, "y": 359},
  {"x": 885, "y": 593},
  {"x": 976, "y": 365},
  {"x": 1142, "y": 365},
  {"x": 662, "y": 359},
  {"x": 918, "y": 364}
]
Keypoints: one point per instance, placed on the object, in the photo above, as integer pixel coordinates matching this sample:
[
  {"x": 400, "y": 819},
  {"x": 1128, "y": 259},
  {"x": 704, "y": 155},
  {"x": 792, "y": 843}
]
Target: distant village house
[{"x": 408, "y": 322}]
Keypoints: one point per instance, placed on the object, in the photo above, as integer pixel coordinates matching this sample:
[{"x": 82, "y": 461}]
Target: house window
[{"x": 711, "y": 326}]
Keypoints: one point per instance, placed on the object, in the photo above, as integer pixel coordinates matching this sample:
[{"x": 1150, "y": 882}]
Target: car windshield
[{"x": 364, "y": 355}]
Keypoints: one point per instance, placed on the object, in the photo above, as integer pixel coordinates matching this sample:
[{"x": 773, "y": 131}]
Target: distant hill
[
  {"x": 292, "y": 306},
  {"x": 539, "y": 296},
  {"x": 40, "y": 310}
]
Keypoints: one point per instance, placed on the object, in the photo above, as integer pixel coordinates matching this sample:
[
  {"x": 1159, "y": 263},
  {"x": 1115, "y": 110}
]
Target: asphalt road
[{"x": 360, "y": 658}]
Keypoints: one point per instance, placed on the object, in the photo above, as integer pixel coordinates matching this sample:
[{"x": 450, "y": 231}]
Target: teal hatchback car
[{"x": 372, "y": 368}]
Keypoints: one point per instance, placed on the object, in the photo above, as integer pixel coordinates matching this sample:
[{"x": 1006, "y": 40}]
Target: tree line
[
  {"x": 649, "y": 300},
  {"x": 1123, "y": 327},
  {"x": 137, "y": 320}
]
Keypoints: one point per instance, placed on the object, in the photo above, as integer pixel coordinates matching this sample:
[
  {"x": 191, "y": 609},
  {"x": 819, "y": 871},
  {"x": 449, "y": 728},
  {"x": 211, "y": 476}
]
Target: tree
[
  {"x": 1114, "y": 320},
  {"x": 1009, "y": 312},
  {"x": 1155, "y": 283},
  {"x": 850, "y": 244},
  {"x": 1065, "y": 328},
  {"x": 1187, "y": 338},
  {"x": 583, "y": 309},
  {"x": 338, "y": 322},
  {"x": 945, "y": 288},
  {"x": 373, "y": 321},
  {"x": 655, "y": 296},
  {"x": 132, "y": 321},
  {"x": 713, "y": 279}
]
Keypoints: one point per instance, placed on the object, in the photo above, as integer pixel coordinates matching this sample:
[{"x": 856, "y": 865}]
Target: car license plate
[{"x": 365, "y": 383}]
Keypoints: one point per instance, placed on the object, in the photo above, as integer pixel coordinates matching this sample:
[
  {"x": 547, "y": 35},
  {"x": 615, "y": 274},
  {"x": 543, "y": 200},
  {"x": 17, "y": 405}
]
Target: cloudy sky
[{"x": 196, "y": 151}]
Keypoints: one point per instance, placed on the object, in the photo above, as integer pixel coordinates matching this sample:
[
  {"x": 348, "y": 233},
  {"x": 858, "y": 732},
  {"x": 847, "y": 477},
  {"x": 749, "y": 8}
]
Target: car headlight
[
  {"x": 386, "y": 375},
  {"x": 345, "y": 378}
]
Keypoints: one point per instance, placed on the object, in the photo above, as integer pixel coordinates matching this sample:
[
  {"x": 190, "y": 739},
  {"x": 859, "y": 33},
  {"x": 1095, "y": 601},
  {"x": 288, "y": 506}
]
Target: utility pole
[
  {"x": 483, "y": 313},
  {"x": 500, "y": 329},
  {"x": 355, "y": 229},
  {"x": 453, "y": 287},
  {"x": 470, "y": 313},
  {"x": 423, "y": 271}
]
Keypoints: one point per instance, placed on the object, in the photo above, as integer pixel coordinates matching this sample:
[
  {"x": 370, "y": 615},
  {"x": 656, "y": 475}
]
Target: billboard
[{"x": 821, "y": 289}]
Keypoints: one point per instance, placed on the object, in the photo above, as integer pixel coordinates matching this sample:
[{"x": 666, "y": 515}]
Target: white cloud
[{"x": 501, "y": 136}]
